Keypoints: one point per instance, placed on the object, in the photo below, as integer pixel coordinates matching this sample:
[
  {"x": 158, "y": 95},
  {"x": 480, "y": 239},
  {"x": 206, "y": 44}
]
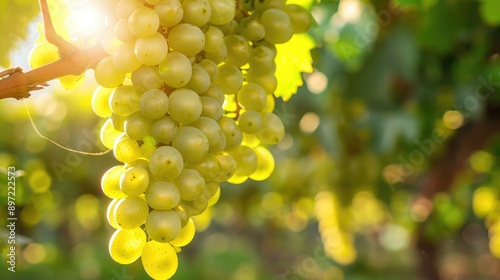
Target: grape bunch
[{"x": 187, "y": 94}]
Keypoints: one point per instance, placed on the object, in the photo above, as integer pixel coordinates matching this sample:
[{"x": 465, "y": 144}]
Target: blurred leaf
[{"x": 490, "y": 11}]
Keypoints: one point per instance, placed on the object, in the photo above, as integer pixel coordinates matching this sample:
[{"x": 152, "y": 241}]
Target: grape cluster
[{"x": 187, "y": 91}]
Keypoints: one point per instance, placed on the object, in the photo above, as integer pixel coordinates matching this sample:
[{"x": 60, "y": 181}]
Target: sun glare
[{"x": 88, "y": 22}]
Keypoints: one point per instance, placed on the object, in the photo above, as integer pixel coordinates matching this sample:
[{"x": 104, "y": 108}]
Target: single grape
[
  {"x": 191, "y": 142},
  {"x": 126, "y": 245},
  {"x": 186, "y": 38},
  {"x": 124, "y": 101},
  {"x": 200, "y": 80},
  {"x": 164, "y": 129},
  {"x": 185, "y": 105},
  {"x": 137, "y": 126},
  {"x": 143, "y": 22},
  {"x": 231, "y": 131},
  {"x": 151, "y": 50},
  {"x": 214, "y": 39},
  {"x": 109, "y": 214},
  {"x": 110, "y": 182},
  {"x": 251, "y": 28},
  {"x": 109, "y": 134},
  {"x": 229, "y": 79},
  {"x": 100, "y": 104},
  {"x": 131, "y": 212},
  {"x": 190, "y": 184},
  {"x": 210, "y": 128},
  {"x": 170, "y": 12},
  {"x": 252, "y": 97},
  {"x": 159, "y": 260},
  {"x": 250, "y": 122},
  {"x": 223, "y": 11},
  {"x": 124, "y": 58},
  {"x": 277, "y": 25},
  {"x": 122, "y": 31},
  {"x": 238, "y": 50},
  {"x": 146, "y": 77},
  {"x": 273, "y": 129},
  {"x": 126, "y": 149},
  {"x": 134, "y": 181},
  {"x": 265, "y": 164},
  {"x": 211, "y": 108},
  {"x": 166, "y": 163},
  {"x": 185, "y": 236},
  {"x": 175, "y": 70},
  {"x": 299, "y": 17},
  {"x": 163, "y": 225},
  {"x": 162, "y": 195},
  {"x": 196, "y": 12},
  {"x": 154, "y": 104},
  {"x": 107, "y": 75}
]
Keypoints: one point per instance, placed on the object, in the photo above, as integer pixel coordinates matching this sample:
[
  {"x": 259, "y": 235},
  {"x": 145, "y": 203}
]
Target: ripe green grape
[
  {"x": 143, "y": 22},
  {"x": 124, "y": 58},
  {"x": 262, "y": 59},
  {"x": 107, "y": 75},
  {"x": 265, "y": 164},
  {"x": 166, "y": 162},
  {"x": 227, "y": 167},
  {"x": 214, "y": 39},
  {"x": 109, "y": 41},
  {"x": 42, "y": 54},
  {"x": 238, "y": 50},
  {"x": 215, "y": 92},
  {"x": 154, "y": 104},
  {"x": 100, "y": 104},
  {"x": 190, "y": 184},
  {"x": 109, "y": 134},
  {"x": 266, "y": 80},
  {"x": 175, "y": 70},
  {"x": 126, "y": 149},
  {"x": 137, "y": 126},
  {"x": 200, "y": 80},
  {"x": 109, "y": 214},
  {"x": 191, "y": 142},
  {"x": 210, "y": 128},
  {"x": 151, "y": 50},
  {"x": 263, "y": 5},
  {"x": 252, "y": 97},
  {"x": 196, "y": 12},
  {"x": 134, "y": 181},
  {"x": 110, "y": 182},
  {"x": 118, "y": 122},
  {"x": 246, "y": 161},
  {"x": 231, "y": 131},
  {"x": 223, "y": 11},
  {"x": 164, "y": 129},
  {"x": 211, "y": 108},
  {"x": 162, "y": 195},
  {"x": 159, "y": 260},
  {"x": 229, "y": 79},
  {"x": 218, "y": 55},
  {"x": 146, "y": 77},
  {"x": 122, "y": 31},
  {"x": 124, "y": 101},
  {"x": 186, "y": 38},
  {"x": 185, "y": 105},
  {"x": 170, "y": 12},
  {"x": 251, "y": 28},
  {"x": 124, "y": 8},
  {"x": 273, "y": 129},
  {"x": 299, "y": 17},
  {"x": 163, "y": 225},
  {"x": 185, "y": 236},
  {"x": 250, "y": 122},
  {"x": 213, "y": 198},
  {"x": 131, "y": 212},
  {"x": 126, "y": 245},
  {"x": 210, "y": 67},
  {"x": 277, "y": 25}
]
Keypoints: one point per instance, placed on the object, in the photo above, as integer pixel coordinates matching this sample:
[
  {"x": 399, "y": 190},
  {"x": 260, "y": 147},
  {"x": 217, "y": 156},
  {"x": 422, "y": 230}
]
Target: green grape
[
  {"x": 124, "y": 101},
  {"x": 214, "y": 197},
  {"x": 250, "y": 122},
  {"x": 215, "y": 92},
  {"x": 185, "y": 105},
  {"x": 163, "y": 225},
  {"x": 210, "y": 67},
  {"x": 262, "y": 60},
  {"x": 162, "y": 195},
  {"x": 137, "y": 126},
  {"x": 146, "y": 77},
  {"x": 159, "y": 260},
  {"x": 186, "y": 38},
  {"x": 229, "y": 79},
  {"x": 262, "y": 5},
  {"x": 191, "y": 142},
  {"x": 107, "y": 75},
  {"x": 42, "y": 54},
  {"x": 231, "y": 27},
  {"x": 212, "y": 188},
  {"x": 166, "y": 163},
  {"x": 122, "y": 31},
  {"x": 252, "y": 97},
  {"x": 126, "y": 149},
  {"x": 190, "y": 184},
  {"x": 191, "y": 210},
  {"x": 246, "y": 161},
  {"x": 154, "y": 104},
  {"x": 164, "y": 129},
  {"x": 250, "y": 140},
  {"x": 147, "y": 150},
  {"x": 185, "y": 236},
  {"x": 71, "y": 82},
  {"x": 210, "y": 128},
  {"x": 196, "y": 12},
  {"x": 100, "y": 104},
  {"x": 200, "y": 80},
  {"x": 151, "y": 50},
  {"x": 134, "y": 181},
  {"x": 109, "y": 41},
  {"x": 182, "y": 215},
  {"x": 124, "y": 58},
  {"x": 265, "y": 164},
  {"x": 126, "y": 245},
  {"x": 231, "y": 131},
  {"x": 143, "y": 22},
  {"x": 118, "y": 122},
  {"x": 238, "y": 50},
  {"x": 270, "y": 104},
  {"x": 228, "y": 167},
  {"x": 299, "y": 17},
  {"x": 175, "y": 70},
  {"x": 251, "y": 29},
  {"x": 131, "y": 212},
  {"x": 124, "y": 8},
  {"x": 170, "y": 12},
  {"x": 266, "y": 80},
  {"x": 140, "y": 162},
  {"x": 273, "y": 129},
  {"x": 209, "y": 167},
  {"x": 109, "y": 134},
  {"x": 217, "y": 56},
  {"x": 110, "y": 182},
  {"x": 200, "y": 203},
  {"x": 109, "y": 214},
  {"x": 237, "y": 179},
  {"x": 277, "y": 25},
  {"x": 223, "y": 11},
  {"x": 211, "y": 108},
  {"x": 214, "y": 39}
]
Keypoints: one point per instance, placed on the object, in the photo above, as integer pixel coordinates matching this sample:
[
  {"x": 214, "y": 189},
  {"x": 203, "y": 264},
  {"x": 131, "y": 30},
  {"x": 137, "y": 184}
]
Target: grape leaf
[
  {"x": 293, "y": 57},
  {"x": 489, "y": 12}
]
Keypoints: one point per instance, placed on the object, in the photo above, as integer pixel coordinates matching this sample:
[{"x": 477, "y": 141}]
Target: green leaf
[
  {"x": 293, "y": 58},
  {"x": 489, "y": 12}
]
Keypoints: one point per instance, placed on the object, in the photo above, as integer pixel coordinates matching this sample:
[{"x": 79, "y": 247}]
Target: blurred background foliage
[{"x": 389, "y": 169}]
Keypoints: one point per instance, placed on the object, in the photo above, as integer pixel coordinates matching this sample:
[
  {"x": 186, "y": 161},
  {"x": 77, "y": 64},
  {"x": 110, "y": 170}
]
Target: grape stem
[{"x": 14, "y": 83}]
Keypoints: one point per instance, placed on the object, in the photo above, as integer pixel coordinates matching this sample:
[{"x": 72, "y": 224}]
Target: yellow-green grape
[
  {"x": 299, "y": 17},
  {"x": 231, "y": 131},
  {"x": 109, "y": 134},
  {"x": 175, "y": 70},
  {"x": 163, "y": 225},
  {"x": 126, "y": 149},
  {"x": 185, "y": 105},
  {"x": 215, "y": 197},
  {"x": 210, "y": 128},
  {"x": 42, "y": 54},
  {"x": 270, "y": 104},
  {"x": 214, "y": 39},
  {"x": 140, "y": 162},
  {"x": 124, "y": 8},
  {"x": 262, "y": 59},
  {"x": 134, "y": 181},
  {"x": 190, "y": 184},
  {"x": 109, "y": 214},
  {"x": 195, "y": 207},
  {"x": 210, "y": 67},
  {"x": 185, "y": 236},
  {"x": 110, "y": 182},
  {"x": 183, "y": 215},
  {"x": 223, "y": 11},
  {"x": 166, "y": 162},
  {"x": 159, "y": 260},
  {"x": 100, "y": 102},
  {"x": 250, "y": 140},
  {"x": 124, "y": 101},
  {"x": 250, "y": 122},
  {"x": 238, "y": 50},
  {"x": 143, "y": 22},
  {"x": 191, "y": 142},
  {"x": 215, "y": 92},
  {"x": 196, "y": 12},
  {"x": 126, "y": 245},
  {"x": 220, "y": 146},
  {"x": 251, "y": 29},
  {"x": 211, "y": 108},
  {"x": 265, "y": 164},
  {"x": 154, "y": 104},
  {"x": 200, "y": 80},
  {"x": 162, "y": 195},
  {"x": 118, "y": 122},
  {"x": 229, "y": 79},
  {"x": 252, "y": 97},
  {"x": 164, "y": 129},
  {"x": 124, "y": 58},
  {"x": 273, "y": 129},
  {"x": 228, "y": 167},
  {"x": 266, "y": 80},
  {"x": 277, "y": 25},
  {"x": 109, "y": 41},
  {"x": 246, "y": 161},
  {"x": 151, "y": 50},
  {"x": 71, "y": 82},
  {"x": 137, "y": 126},
  {"x": 147, "y": 150},
  {"x": 186, "y": 38},
  {"x": 146, "y": 77},
  {"x": 209, "y": 167},
  {"x": 122, "y": 31},
  {"x": 107, "y": 75},
  {"x": 131, "y": 212},
  {"x": 170, "y": 12},
  {"x": 263, "y": 5},
  {"x": 218, "y": 55}
]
